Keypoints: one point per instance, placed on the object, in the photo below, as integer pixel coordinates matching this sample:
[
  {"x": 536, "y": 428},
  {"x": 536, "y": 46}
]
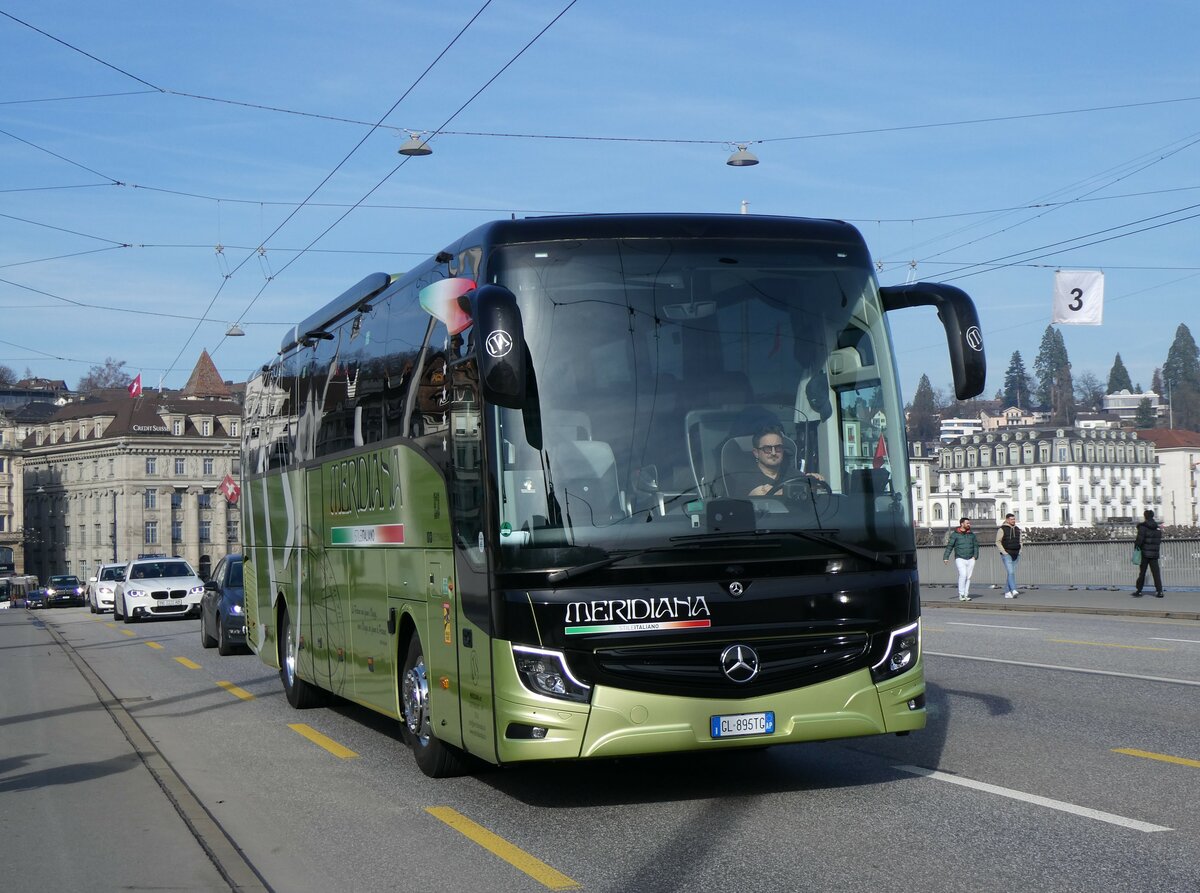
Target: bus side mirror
[
  {"x": 499, "y": 345},
  {"x": 959, "y": 318}
]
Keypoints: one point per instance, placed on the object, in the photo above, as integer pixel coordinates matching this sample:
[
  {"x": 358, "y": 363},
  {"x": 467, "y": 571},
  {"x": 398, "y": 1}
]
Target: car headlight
[
  {"x": 900, "y": 656},
  {"x": 50, "y": 592},
  {"x": 105, "y": 590},
  {"x": 136, "y": 593},
  {"x": 236, "y": 609},
  {"x": 546, "y": 673}
]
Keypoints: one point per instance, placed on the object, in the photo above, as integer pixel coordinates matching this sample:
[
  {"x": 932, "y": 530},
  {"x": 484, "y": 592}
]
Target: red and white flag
[
  {"x": 230, "y": 488},
  {"x": 880, "y": 453},
  {"x": 135, "y": 386}
]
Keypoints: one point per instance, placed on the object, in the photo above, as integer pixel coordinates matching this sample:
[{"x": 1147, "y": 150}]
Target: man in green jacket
[{"x": 965, "y": 546}]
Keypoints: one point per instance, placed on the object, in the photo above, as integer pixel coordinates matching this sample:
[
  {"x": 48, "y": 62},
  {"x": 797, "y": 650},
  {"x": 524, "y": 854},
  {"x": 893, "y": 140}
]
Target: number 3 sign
[{"x": 1079, "y": 297}]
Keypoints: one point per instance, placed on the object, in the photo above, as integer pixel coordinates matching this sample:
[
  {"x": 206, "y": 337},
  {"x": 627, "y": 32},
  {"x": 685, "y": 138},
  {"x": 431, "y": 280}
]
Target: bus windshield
[{"x": 693, "y": 388}]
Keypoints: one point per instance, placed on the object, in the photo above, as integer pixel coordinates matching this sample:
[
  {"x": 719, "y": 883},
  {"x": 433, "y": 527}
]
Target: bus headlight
[
  {"x": 903, "y": 646},
  {"x": 546, "y": 672}
]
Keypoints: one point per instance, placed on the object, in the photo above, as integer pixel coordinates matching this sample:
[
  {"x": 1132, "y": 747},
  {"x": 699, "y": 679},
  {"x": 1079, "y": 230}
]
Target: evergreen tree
[
  {"x": 1016, "y": 383},
  {"x": 1145, "y": 417},
  {"x": 1062, "y": 397},
  {"x": 1181, "y": 377},
  {"x": 924, "y": 418},
  {"x": 1156, "y": 382},
  {"x": 1118, "y": 377},
  {"x": 1051, "y": 367},
  {"x": 1183, "y": 360}
]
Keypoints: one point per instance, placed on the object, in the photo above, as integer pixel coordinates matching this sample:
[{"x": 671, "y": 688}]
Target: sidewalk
[{"x": 1176, "y": 605}]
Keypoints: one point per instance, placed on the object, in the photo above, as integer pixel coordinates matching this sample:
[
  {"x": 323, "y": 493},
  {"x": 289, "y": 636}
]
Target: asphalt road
[{"x": 1062, "y": 754}]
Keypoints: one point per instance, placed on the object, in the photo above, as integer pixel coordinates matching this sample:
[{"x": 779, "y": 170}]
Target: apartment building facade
[{"x": 112, "y": 477}]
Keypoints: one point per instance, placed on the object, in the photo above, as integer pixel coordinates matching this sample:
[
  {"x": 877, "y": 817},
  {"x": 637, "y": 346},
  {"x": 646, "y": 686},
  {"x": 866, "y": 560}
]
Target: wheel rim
[
  {"x": 289, "y": 660},
  {"x": 415, "y": 695}
]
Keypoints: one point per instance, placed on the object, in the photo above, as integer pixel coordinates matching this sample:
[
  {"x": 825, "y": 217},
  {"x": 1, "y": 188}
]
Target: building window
[
  {"x": 111, "y": 466},
  {"x": 208, "y": 465},
  {"x": 151, "y": 465},
  {"x": 206, "y": 531},
  {"x": 151, "y": 533},
  {"x": 206, "y": 428},
  {"x": 180, "y": 467},
  {"x": 233, "y": 428},
  {"x": 205, "y": 500},
  {"x": 1065, "y": 494},
  {"x": 177, "y": 499},
  {"x": 177, "y": 427},
  {"x": 151, "y": 499},
  {"x": 177, "y": 531}
]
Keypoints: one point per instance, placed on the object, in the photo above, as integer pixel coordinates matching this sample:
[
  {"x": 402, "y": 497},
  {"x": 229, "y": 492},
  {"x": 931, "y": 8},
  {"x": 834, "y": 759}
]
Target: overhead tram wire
[
  {"x": 408, "y": 158},
  {"x": 317, "y": 188}
]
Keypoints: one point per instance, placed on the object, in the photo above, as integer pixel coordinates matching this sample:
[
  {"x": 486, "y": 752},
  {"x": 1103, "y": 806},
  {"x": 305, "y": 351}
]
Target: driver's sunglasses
[{"x": 771, "y": 448}]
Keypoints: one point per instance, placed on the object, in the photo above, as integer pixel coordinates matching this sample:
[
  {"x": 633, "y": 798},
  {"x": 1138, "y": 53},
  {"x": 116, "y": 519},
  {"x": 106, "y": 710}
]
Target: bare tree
[{"x": 109, "y": 375}]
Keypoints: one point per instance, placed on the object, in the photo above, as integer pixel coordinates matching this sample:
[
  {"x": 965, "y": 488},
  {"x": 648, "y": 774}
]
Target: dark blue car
[{"x": 222, "y": 608}]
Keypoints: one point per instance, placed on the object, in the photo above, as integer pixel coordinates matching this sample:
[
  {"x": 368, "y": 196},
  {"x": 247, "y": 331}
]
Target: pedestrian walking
[
  {"x": 1149, "y": 539},
  {"x": 965, "y": 547},
  {"x": 1008, "y": 541}
]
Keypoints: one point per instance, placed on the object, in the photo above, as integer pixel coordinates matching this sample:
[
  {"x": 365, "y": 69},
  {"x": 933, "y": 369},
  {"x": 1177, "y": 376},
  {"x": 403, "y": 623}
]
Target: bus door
[{"x": 470, "y": 605}]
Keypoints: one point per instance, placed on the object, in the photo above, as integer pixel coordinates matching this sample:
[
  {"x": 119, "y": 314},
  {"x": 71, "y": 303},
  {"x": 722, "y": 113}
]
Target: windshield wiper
[
  {"x": 882, "y": 559},
  {"x": 579, "y": 570}
]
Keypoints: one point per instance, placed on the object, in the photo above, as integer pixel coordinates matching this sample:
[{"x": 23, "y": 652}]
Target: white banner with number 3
[{"x": 1079, "y": 297}]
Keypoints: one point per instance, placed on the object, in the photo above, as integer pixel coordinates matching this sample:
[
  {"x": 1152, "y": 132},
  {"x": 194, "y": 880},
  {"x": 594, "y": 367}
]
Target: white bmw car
[
  {"x": 157, "y": 587},
  {"x": 103, "y": 586}
]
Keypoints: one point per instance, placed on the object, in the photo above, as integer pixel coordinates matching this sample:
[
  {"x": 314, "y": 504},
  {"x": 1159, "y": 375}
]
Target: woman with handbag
[{"x": 1146, "y": 546}]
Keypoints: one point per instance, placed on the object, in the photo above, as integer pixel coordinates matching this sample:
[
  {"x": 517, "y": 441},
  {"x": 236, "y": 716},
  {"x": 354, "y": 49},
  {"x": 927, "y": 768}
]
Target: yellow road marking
[
  {"x": 1108, "y": 645},
  {"x": 234, "y": 690},
  {"x": 1161, "y": 757},
  {"x": 110, "y": 623},
  {"x": 154, "y": 645},
  {"x": 128, "y": 632},
  {"x": 190, "y": 664},
  {"x": 320, "y": 740},
  {"x": 498, "y": 846}
]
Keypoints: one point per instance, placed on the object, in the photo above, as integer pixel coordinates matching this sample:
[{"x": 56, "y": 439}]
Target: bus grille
[{"x": 694, "y": 668}]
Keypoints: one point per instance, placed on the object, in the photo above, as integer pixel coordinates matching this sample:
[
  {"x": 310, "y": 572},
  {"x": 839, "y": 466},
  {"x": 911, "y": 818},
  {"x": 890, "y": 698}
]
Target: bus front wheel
[
  {"x": 435, "y": 758},
  {"x": 300, "y": 694}
]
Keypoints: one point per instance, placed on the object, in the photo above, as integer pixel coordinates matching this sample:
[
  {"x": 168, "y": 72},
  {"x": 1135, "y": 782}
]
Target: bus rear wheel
[
  {"x": 435, "y": 758},
  {"x": 300, "y": 694}
]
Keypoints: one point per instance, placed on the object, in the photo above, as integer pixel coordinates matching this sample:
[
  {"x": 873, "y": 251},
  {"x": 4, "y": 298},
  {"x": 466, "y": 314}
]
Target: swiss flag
[
  {"x": 230, "y": 488},
  {"x": 135, "y": 386},
  {"x": 880, "y": 453}
]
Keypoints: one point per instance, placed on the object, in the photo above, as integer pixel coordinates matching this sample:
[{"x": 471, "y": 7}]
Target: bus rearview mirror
[
  {"x": 499, "y": 345},
  {"x": 959, "y": 318}
]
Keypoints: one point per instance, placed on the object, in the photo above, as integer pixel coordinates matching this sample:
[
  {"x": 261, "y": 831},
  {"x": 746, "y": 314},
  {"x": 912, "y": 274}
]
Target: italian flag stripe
[{"x": 367, "y": 535}]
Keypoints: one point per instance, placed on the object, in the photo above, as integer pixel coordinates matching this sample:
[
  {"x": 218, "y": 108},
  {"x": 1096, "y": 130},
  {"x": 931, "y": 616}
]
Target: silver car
[{"x": 157, "y": 587}]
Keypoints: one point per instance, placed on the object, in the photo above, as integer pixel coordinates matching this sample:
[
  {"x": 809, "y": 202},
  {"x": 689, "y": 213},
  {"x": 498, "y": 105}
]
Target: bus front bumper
[{"x": 625, "y": 723}]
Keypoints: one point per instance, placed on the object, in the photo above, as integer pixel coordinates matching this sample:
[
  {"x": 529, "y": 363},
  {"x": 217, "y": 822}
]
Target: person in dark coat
[{"x": 1149, "y": 538}]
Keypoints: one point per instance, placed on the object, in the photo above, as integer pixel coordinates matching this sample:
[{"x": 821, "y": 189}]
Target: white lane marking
[
  {"x": 1060, "y": 805},
  {"x": 1022, "y": 663},
  {"x": 1032, "y": 629},
  {"x": 1188, "y": 641}
]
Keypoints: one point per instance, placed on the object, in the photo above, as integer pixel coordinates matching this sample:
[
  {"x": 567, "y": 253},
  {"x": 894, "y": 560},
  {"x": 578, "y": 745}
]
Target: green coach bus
[{"x": 505, "y": 498}]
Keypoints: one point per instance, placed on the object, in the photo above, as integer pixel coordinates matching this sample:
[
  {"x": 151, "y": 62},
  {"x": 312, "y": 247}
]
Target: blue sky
[{"x": 117, "y": 183}]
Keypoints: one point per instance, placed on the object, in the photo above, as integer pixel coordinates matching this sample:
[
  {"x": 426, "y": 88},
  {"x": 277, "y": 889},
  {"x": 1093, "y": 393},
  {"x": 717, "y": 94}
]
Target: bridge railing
[{"x": 1069, "y": 564}]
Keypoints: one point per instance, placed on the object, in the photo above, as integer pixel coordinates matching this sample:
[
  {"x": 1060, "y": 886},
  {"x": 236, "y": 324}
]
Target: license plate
[
  {"x": 736, "y": 725},
  {"x": 173, "y": 602}
]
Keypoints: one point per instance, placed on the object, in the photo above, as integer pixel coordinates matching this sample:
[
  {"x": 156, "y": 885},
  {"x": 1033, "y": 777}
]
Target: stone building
[
  {"x": 1062, "y": 477},
  {"x": 12, "y": 514},
  {"x": 110, "y": 477}
]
